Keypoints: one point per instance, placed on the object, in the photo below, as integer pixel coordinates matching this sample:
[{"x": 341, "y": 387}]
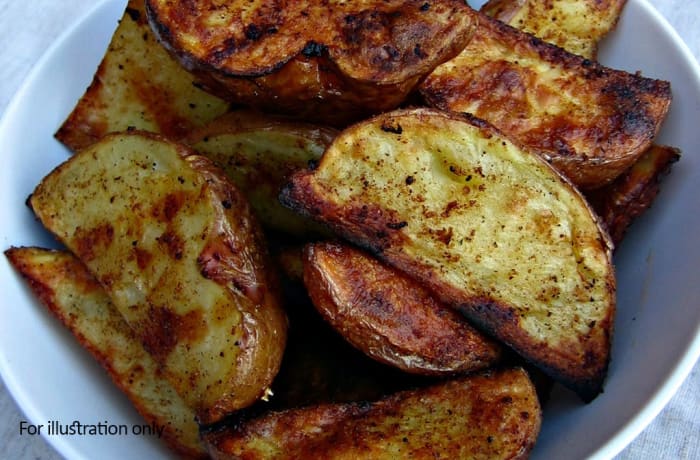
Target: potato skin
[
  {"x": 621, "y": 202},
  {"x": 330, "y": 64},
  {"x": 389, "y": 316},
  {"x": 64, "y": 285},
  {"x": 489, "y": 227},
  {"x": 494, "y": 415},
  {"x": 178, "y": 250},
  {"x": 589, "y": 121}
]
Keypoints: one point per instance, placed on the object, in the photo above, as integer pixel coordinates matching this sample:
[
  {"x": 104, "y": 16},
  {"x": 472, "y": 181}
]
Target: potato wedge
[
  {"x": 64, "y": 285},
  {"x": 489, "y": 416},
  {"x": 320, "y": 62},
  {"x": 491, "y": 228},
  {"x": 591, "y": 122},
  {"x": 578, "y": 26},
  {"x": 320, "y": 367},
  {"x": 258, "y": 153},
  {"x": 138, "y": 85},
  {"x": 389, "y": 316},
  {"x": 181, "y": 256},
  {"x": 575, "y": 25},
  {"x": 630, "y": 195}
]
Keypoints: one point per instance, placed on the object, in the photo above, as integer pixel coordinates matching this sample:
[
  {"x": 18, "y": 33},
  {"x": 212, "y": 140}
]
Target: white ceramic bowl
[{"x": 657, "y": 338}]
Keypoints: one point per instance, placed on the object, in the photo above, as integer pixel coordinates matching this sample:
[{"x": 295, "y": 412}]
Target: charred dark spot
[
  {"x": 173, "y": 244},
  {"x": 228, "y": 47},
  {"x": 410, "y": 180},
  {"x": 391, "y": 128},
  {"x": 391, "y": 51},
  {"x": 419, "y": 52},
  {"x": 226, "y": 204},
  {"x": 134, "y": 14},
  {"x": 252, "y": 32},
  {"x": 397, "y": 225},
  {"x": 313, "y": 49},
  {"x": 425, "y": 6}
]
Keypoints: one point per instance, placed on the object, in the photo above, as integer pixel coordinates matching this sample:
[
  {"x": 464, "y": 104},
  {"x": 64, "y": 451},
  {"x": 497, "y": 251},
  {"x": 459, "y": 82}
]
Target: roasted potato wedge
[
  {"x": 68, "y": 290},
  {"x": 492, "y": 229},
  {"x": 320, "y": 367},
  {"x": 631, "y": 194},
  {"x": 575, "y": 25},
  {"x": 578, "y": 26},
  {"x": 491, "y": 416},
  {"x": 391, "y": 317},
  {"x": 258, "y": 153},
  {"x": 591, "y": 122},
  {"x": 180, "y": 254},
  {"x": 138, "y": 85},
  {"x": 329, "y": 64}
]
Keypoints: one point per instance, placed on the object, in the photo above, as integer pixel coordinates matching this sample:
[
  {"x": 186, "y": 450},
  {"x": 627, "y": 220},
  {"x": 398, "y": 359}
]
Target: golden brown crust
[
  {"x": 329, "y": 63},
  {"x": 591, "y": 122},
  {"x": 630, "y": 195},
  {"x": 64, "y": 285},
  {"x": 389, "y": 316},
  {"x": 494, "y": 415},
  {"x": 178, "y": 250},
  {"x": 138, "y": 85},
  {"x": 490, "y": 228}
]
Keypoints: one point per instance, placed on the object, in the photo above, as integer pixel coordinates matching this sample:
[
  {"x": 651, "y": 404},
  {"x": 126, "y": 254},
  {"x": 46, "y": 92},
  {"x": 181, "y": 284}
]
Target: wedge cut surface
[
  {"x": 63, "y": 284},
  {"x": 494, "y": 415},
  {"x": 575, "y": 25},
  {"x": 178, "y": 251},
  {"x": 138, "y": 85},
  {"x": 492, "y": 229}
]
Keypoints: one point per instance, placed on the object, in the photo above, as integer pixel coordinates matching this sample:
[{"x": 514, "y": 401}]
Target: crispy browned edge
[
  {"x": 326, "y": 429},
  {"x": 632, "y": 193},
  {"x": 216, "y": 263},
  {"x": 505, "y": 10},
  {"x": 82, "y": 276},
  {"x": 389, "y": 316},
  {"x": 80, "y": 129},
  {"x": 587, "y": 381},
  {"x": 371, "y": 64},
  {"x": 639, "y": 119},
  {"x": 620, "y": 203}
]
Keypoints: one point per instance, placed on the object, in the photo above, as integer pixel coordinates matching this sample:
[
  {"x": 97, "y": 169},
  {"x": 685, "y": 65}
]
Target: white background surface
[{"x": 27, "y": 28}]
